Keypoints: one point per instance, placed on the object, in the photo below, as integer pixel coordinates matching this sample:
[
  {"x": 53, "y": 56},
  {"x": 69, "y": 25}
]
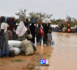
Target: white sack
[
  {"x": 14, "y": 43},
  {"x": 16, "y": 50}
]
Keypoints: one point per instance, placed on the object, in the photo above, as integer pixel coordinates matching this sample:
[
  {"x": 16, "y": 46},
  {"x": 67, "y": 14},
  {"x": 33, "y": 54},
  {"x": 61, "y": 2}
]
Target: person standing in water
[{"x": 49, "y": 37}]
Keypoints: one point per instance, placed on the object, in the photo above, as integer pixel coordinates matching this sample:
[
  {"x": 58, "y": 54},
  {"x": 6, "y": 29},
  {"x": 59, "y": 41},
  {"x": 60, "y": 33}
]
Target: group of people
[
  {"x": 65, "y": 28},
  {"x": 12, "y": 29}
]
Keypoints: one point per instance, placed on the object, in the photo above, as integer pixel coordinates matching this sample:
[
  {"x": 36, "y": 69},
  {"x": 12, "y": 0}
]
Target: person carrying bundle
[{"x": 21, "y": 29}]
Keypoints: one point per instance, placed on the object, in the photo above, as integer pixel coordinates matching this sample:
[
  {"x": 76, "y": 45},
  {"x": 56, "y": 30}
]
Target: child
[{"x": 49, "y": 37}]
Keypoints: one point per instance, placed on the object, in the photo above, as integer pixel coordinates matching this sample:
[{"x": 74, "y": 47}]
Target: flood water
[{"x": 64, "y": 56}]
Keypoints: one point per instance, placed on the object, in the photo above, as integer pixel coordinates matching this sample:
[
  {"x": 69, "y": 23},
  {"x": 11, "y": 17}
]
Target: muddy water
[{"x": 64, "y": 56}]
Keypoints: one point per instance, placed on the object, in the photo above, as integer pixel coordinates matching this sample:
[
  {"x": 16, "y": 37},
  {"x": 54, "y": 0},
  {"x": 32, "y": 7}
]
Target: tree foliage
[{"x": 40, "y": 16}]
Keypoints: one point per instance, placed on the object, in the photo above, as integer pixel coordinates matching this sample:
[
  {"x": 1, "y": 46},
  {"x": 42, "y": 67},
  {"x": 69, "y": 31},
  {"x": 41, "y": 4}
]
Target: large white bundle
[
  {"x": 16, "y": 50},
  {"x": 14, "y": 43}
]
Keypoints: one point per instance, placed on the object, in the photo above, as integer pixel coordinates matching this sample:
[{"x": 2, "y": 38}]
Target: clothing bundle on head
[
  {"x": 22, "y": 16},
  {"x": 33, "y": 20}
]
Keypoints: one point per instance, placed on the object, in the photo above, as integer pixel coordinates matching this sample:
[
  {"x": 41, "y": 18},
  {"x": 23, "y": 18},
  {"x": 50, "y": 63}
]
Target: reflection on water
[
  {"x": 59, "y": 35},
  {"x": 68, "y": 35}
]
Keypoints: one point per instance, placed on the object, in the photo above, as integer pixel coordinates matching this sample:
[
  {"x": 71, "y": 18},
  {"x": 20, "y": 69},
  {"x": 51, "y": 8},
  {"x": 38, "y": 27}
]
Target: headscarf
[{"x": 21, "y": 29}]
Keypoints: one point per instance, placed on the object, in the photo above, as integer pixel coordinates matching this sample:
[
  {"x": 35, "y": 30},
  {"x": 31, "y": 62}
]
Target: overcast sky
[{"x": 58, "y": 8}]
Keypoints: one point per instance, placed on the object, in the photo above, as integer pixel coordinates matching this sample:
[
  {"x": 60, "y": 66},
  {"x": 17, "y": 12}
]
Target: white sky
[{"x": 58, "y": 8}]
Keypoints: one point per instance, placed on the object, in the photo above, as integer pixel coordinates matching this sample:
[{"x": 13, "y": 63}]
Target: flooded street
[{"x": 64, "y": 56}]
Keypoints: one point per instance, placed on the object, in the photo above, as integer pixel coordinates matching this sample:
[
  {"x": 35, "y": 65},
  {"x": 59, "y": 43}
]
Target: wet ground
[
  {"x": 63, "y": 56},
  {"x": 22, "y": 62}
]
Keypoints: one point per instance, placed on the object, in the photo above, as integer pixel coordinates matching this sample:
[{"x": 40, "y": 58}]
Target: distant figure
[
  {"x": 76, "y": 30},
  {"x": 62, "y": 26}
]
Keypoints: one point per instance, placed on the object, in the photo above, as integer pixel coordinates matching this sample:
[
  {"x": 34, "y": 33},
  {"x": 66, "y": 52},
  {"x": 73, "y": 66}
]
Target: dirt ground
[{"x": 22, "y": 62}]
